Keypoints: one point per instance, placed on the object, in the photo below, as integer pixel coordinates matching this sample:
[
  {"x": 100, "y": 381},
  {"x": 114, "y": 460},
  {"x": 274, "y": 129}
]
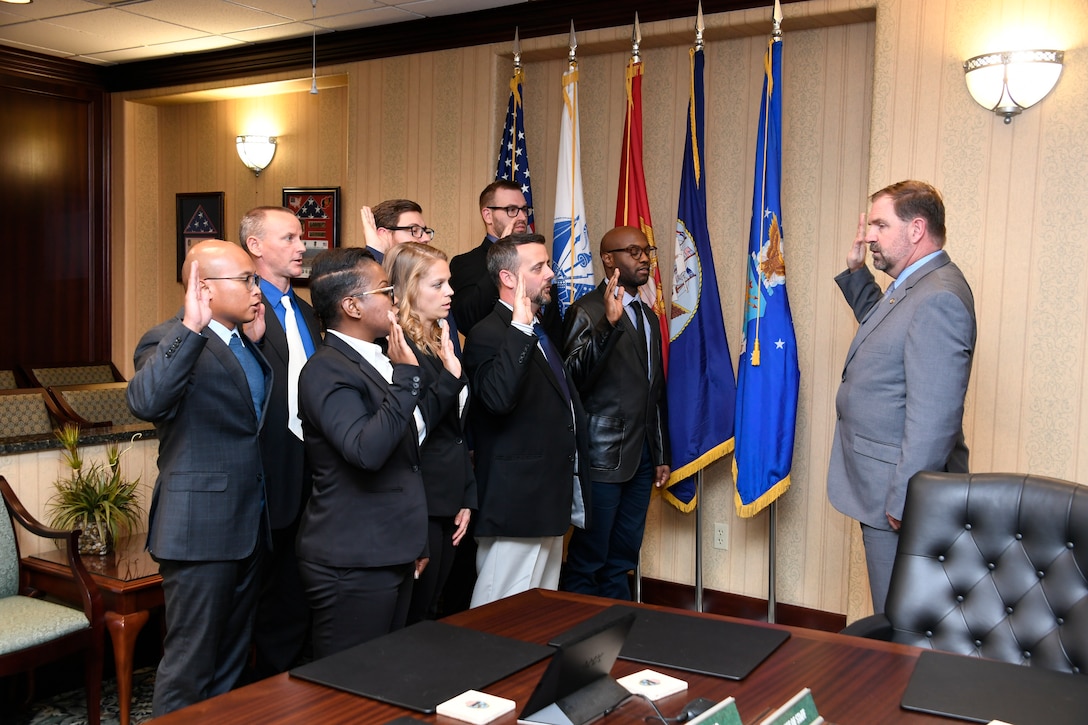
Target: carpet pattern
[{"x": 70, "y": 708}]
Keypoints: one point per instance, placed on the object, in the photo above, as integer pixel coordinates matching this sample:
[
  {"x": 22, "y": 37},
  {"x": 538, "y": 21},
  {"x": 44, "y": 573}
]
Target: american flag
[{"x": 513, "y": 158}]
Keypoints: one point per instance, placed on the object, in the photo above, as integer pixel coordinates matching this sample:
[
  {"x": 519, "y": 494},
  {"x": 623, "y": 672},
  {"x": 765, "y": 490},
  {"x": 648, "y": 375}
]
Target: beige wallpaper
[{"x": 867, "y": 102}]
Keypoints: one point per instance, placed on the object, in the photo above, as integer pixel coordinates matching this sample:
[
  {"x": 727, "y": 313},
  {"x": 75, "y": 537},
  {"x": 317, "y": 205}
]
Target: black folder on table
[
  {"x": 423, "y": 665},
  {"x": 695, "y": 644},
  {"x": 981, "y": 690}
]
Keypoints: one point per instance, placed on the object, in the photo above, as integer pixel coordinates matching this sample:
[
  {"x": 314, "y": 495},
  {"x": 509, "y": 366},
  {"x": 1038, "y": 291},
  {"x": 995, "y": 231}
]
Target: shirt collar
[
  {"x": 221, "y": 330},
  {"x": 912, "y": 269}
]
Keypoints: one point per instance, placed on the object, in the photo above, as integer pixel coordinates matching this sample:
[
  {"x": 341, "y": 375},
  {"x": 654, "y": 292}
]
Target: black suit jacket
[
  {"x": 286, "y": 479},
  {"x": 207, "y": 500},
  {"x": 623, "y": 401},
  {"x": 368, "y": 508},
  {"x": 447, "y": 468},
  {"x": 475, "y": 294},
  {"x": 525, "y": 433}
]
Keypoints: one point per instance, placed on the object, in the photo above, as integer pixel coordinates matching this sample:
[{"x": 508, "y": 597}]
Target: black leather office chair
[{"x": 992, "y": 565}]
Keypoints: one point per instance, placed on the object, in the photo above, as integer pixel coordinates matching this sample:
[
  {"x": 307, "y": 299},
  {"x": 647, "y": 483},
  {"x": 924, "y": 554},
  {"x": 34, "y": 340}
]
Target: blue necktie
[
  {"x": 254, "y": 374},
  {"x": 555, "y": 362}
]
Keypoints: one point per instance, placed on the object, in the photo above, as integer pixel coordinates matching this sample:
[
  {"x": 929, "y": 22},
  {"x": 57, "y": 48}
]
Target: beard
[{"x": 542, "y": 297}]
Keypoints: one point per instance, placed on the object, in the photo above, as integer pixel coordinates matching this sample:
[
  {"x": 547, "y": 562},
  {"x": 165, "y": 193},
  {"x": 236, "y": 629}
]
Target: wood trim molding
[{"x": 682, "y": 596}]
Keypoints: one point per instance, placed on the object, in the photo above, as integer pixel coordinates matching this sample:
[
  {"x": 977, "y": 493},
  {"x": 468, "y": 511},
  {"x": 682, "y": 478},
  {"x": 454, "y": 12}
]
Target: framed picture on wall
[
  {"x": 318, "y": 209},
  {"x": 200, "y": 217}
]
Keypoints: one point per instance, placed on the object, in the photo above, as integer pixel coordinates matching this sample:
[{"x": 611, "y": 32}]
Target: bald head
[
  {"x": 617, "y": 246},
  {"x": 226, "y": 278}
]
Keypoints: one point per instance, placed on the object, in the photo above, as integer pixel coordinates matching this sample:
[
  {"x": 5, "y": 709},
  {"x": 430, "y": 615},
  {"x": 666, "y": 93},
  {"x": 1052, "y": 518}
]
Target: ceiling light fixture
[
  {"x": 256, "y": 152},
  {"x": 1010, "y": 81}
]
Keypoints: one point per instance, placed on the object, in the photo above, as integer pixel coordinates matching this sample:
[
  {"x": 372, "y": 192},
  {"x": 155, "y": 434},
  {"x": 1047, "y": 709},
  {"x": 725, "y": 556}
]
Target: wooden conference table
[{"x": 853, "y": 680}]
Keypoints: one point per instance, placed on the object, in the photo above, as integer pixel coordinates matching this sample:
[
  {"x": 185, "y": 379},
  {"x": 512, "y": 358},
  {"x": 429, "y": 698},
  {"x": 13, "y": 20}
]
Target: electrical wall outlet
[{"x": 721, "y": 536}]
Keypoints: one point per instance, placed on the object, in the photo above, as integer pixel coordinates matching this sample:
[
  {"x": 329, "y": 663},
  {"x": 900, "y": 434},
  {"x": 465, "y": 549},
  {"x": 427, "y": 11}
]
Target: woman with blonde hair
[{"x": 420, "y": 277}]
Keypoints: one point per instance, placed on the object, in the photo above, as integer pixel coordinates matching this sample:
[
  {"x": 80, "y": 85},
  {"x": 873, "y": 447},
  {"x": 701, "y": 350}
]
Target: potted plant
[{"x": 95, "y": 498}]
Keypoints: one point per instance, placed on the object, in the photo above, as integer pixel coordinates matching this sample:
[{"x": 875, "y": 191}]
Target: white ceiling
[{"x": 106, "y": 32}]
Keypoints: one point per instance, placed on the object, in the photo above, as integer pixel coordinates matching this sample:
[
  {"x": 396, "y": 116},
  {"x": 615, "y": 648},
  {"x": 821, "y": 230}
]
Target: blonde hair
[{"x": 405, "y": 265}]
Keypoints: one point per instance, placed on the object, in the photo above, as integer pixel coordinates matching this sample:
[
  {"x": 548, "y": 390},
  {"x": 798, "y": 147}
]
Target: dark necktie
[
  {"x": 640, "y": 325},
  {"x": 254, "y": 374},
  {"x": 555, "y": 362}
]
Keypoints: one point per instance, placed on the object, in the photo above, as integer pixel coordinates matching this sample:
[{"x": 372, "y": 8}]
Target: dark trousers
[
  {"x": 283, "y": 614},
  {"x": 351, "y": 606},
  {"x": 427, "y": 590},
  {"x": 599, "y": 558},
  {"x": 210, "y": 606}
]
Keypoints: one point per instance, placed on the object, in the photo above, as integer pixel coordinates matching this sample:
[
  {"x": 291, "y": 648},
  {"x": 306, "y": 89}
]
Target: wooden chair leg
[{"x": 92, "y": 682}]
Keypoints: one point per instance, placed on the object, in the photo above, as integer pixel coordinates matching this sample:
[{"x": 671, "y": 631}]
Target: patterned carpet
[{"x": 70, "y": 708}]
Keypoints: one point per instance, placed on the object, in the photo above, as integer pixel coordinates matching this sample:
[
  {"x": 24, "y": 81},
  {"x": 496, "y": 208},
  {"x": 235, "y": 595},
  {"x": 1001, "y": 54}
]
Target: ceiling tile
[
  {"x": 276, "y": 32},
  {"x": 434, "y": 8},
  {"x": 367, "y": 18},
  {"x": 120, "y": 29},
  {"x": 302, "y": 10},
  {"x": 211, "y": 16}
]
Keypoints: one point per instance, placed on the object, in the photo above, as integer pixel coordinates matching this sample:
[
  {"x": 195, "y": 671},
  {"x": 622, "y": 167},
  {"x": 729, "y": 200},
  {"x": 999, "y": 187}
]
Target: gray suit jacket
[
  {"x": 207, "y": 503},
  {"x": 900, "y": 405}
]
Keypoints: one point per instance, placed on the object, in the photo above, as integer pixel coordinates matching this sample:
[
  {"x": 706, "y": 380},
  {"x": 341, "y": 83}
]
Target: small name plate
[
  {"x": 800, "y": 710},
  {"x": 724, "y": 713}
]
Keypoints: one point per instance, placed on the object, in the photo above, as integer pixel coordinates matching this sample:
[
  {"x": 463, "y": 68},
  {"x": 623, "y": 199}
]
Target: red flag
[{"x": 632, "y": 205}]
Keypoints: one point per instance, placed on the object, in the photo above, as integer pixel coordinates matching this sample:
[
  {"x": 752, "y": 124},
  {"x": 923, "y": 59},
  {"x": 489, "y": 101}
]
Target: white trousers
[{"x": 507, "y": 566}]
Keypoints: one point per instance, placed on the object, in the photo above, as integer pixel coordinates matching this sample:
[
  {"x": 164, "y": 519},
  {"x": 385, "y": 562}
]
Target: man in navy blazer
[
  {"x": 273, "y": 237},
  {"x": 523, "y": 418},
  {"x": 205, "y": 386},
  {"x": 363, "y": 537},
  {"x": 900, "y": 404}
]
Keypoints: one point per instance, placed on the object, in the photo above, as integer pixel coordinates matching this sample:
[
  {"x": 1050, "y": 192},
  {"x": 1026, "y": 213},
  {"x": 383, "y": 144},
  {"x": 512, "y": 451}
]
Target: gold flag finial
[
  {"x": 776, "y": 27},
  {"x": 636, "y": 38},
  {"x": 517, "y": 50}
]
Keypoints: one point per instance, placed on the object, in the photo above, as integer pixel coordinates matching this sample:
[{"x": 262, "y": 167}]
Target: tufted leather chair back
[{"x": 994, "y": 565}]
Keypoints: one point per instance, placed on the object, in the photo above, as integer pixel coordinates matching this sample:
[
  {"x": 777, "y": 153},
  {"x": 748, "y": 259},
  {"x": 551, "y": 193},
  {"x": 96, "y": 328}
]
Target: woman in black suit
[{"x": 420, "y": 277}]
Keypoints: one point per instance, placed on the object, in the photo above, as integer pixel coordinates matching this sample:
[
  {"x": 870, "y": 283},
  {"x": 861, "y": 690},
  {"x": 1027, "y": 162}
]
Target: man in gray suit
[
  {"x": 900, "y": 404},
  {"x": 205, "y": 386}
]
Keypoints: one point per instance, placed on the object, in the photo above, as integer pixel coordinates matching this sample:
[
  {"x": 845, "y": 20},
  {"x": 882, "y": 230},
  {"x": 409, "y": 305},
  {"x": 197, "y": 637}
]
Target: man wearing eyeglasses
[
  {"x": 205, "y": 385},
  {"x": 504, "y": 212},
  {"x": 273, "y": 237},
  {"x": 613, "y": 354},
  {"x": 391, "y": 222}
]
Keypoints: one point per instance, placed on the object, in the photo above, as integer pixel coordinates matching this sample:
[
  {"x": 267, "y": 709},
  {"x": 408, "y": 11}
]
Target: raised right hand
[
  {"x": 855, "y": 258},
  {"x": 399, "y": 352},
  {"x": 613, "y": 299},
  {"x": 370, "y": 228},
  {"x": 523, "y": 306},
  {"x": 198, "y": 309}
]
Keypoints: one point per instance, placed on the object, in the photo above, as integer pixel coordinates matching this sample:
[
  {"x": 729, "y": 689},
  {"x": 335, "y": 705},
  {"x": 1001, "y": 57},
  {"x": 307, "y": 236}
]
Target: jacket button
[
  {"x": 571, "y": 458},
  {"x": 459, "y": 441},
  {"x": 415, "y": 469}
]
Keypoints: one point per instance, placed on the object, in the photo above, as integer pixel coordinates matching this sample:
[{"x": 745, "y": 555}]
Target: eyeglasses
[
  {"x": 635, "y": 251},
  {"x": 387, "y": 291},
  {"x": 415, "y": 230},
  {"x": 512, "y": 211},
  {"x": 251, "y": 280}
]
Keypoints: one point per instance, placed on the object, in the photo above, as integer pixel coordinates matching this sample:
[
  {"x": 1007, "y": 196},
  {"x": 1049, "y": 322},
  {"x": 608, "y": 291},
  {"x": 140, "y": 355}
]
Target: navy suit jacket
[
  {"x": 207, "y": 503},
  {"x": 286, "y": 479},
  {"x": 368, "y": 508}
]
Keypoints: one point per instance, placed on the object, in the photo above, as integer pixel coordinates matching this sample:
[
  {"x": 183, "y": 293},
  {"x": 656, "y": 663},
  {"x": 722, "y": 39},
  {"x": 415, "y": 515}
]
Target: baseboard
[{"x": 682, "y": 596}]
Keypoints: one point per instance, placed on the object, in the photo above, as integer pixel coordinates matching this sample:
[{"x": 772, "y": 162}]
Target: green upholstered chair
[
  {"x": 93, "y": 405},
  {"x": 34, "y": 632},
  {"x": 25, "y": 412},
  {"x": 47, "y": 377}
]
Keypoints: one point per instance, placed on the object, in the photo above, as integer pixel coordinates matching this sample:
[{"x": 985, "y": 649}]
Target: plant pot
[{"x": 94, "y": 539}]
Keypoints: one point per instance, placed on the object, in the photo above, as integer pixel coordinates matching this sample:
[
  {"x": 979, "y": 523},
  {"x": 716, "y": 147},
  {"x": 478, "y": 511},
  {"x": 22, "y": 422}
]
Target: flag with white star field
[{"x": 513, "y": 157}]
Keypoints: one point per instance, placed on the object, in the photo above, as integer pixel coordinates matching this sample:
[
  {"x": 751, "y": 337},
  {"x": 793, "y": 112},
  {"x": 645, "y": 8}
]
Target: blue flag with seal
[
  {"x": 571, "y": 258},
  {"x": 701, "y": 387},
  {"x": 513, "y": 162},
  {"x": 767, "y": 374}
]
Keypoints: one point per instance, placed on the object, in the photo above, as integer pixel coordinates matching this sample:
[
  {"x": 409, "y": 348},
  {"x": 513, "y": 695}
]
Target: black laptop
[
  {"x": 578, "y": 686},
  {"x": 978, "y": 690},
  {"x": 696, "y": 644},
  {"x": 423, "y": 665}
]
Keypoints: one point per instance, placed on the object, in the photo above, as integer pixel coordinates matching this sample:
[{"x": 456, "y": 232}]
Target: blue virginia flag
[
  {"x": 768, "y": 376},
  {"x": 513, "y": 157},
  {"x": 701, "y": 388}
]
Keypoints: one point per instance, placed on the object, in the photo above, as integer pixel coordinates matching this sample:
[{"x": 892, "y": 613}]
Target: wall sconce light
[
  {"x": 256, "y": 152},
  {"x": 1008, "y": 82}
]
